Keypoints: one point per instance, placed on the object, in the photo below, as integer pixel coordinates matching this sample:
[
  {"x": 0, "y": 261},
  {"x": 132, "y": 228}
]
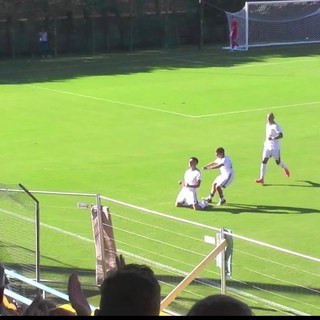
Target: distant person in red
[{"x": 234, "y": 33}]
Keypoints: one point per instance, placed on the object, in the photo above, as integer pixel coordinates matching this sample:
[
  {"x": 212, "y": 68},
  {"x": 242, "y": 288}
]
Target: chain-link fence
[{"x": 94, "y": 26}]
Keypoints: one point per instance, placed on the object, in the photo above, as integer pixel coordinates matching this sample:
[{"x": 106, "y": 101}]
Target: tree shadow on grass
[{"x": 65, "y": 67}]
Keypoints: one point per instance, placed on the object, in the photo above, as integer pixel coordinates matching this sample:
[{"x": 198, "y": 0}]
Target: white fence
[{"x": 272, "y": 280}]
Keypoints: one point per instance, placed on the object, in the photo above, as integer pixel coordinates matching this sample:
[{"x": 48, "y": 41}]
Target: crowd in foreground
[{"x": 128, "y": 290}]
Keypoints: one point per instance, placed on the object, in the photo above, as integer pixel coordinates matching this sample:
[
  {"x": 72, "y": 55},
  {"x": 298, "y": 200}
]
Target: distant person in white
[
  {"x": 271, "y": 147},
  {"x": 224, "y": 163},
  {"x": 187, "y": 196}
]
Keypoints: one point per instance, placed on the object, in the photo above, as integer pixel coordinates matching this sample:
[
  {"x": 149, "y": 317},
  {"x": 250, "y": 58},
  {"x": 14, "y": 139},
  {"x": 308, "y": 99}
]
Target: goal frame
[{"x": 245, "y": 39}]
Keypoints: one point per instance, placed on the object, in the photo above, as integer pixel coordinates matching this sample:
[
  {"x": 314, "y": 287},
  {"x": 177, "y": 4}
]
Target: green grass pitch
[{"x": 124, "y": 125}]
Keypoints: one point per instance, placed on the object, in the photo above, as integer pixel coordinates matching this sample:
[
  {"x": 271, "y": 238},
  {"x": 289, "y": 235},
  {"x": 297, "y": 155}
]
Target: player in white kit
[
  {"x": 272, "y": 147},
  {"x": 187, "y": 196},
  {"x": 224, "y": 163}
]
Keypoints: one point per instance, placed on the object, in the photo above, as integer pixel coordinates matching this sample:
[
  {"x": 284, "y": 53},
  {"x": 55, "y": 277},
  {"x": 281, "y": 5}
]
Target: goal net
[{"x": 267, "y": 23}]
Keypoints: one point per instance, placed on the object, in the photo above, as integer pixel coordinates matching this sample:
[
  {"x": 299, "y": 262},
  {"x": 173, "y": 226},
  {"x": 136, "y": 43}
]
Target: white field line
[
  {"x": 18, "y": 216},
  {"x": 171, "y": 112},
  {"x": 259, "y": 109},
  {"x": 156, "y": 109},
  {"x": 109, "y": 101},
  {"x": 249, "y": 65}
]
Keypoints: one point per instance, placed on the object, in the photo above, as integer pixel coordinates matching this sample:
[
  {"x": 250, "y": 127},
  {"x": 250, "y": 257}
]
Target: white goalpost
[{"x": 270, "y": 23}]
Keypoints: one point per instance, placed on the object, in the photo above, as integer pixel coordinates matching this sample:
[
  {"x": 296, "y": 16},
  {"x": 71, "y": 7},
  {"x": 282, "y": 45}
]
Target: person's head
[
  {"x": 132, "y": 290},
  {"x": 220, "y": 305},
  {"x": 141, "y": 268},
  {"x": 220, "y": 152},
  {"x": 270, "y": 117},
  {"x": 193, "y": 161}
]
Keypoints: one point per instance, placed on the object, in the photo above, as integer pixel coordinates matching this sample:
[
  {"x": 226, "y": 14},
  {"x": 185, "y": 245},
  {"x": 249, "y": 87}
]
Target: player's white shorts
[
  {"x": 268, "y": 153},
  {"x": 187, "y": 195},
  {"x": 224, "y": 180}
]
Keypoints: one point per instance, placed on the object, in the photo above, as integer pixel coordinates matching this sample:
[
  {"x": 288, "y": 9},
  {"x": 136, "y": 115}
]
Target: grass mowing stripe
[{"x": 175, "y": 113}]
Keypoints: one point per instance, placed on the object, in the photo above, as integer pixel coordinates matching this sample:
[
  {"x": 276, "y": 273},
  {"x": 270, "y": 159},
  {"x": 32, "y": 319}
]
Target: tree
[{"x": 12, "y": 11}]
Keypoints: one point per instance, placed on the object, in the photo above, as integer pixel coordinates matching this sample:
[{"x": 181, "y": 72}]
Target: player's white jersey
[
  {"x": 272, "y": 130},
  {"x": 227, "y": 168},
  {"x": 192, "y": 176}
]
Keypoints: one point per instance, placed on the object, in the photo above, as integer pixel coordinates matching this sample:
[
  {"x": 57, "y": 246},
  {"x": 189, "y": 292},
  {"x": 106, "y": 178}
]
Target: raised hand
[{"x": 77, "y": 298}]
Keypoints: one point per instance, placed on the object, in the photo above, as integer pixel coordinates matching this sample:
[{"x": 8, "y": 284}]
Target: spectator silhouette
[
  {"x": 128, "y": 289},
  {"x": 132, "y": 290},
  {"x": 77, "y": 298},
  {"x": 220, "y": 305}
]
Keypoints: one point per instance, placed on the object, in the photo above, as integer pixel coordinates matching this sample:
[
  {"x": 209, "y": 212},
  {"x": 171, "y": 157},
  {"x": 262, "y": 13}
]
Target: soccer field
[{"x": 124, "y": 126}]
